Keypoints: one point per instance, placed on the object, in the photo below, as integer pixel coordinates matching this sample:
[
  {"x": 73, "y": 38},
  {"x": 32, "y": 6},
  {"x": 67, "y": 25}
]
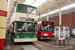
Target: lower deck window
[{"x": 25, "y": 27}]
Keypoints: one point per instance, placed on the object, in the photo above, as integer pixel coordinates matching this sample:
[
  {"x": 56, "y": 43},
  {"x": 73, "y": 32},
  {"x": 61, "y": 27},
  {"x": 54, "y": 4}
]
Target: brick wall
[
  {"x": 51, "y": 19},
  {"x": 56, "y": 21},
  {"x": 44, "y": 20},
  {"x": 67, "y": 20},
  {"x": 73, "y": 20}
]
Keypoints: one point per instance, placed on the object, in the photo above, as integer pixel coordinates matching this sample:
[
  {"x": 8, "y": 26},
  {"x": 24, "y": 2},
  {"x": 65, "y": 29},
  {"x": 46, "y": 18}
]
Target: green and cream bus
[{"x": 23, "y": 25}]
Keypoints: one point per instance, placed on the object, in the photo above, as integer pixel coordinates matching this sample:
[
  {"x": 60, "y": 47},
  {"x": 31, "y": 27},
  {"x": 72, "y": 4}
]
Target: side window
[
  {"x": 28, "y": 10},
  {"x": 22, "y": 9},
  {"x": 38, "y": 27}
]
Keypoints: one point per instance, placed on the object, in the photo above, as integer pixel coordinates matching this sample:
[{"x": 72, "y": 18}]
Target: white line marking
[{"x": 28, "y": 47}]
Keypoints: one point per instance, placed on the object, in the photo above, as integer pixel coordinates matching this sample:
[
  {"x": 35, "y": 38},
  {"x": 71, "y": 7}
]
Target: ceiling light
[
  {"x": 43, "y": 15},
  {"x": 68, "y": 7},
  {"x": 52, "y": 12}
]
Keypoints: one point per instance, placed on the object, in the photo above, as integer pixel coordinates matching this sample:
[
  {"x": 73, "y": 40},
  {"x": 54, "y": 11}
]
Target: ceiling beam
[{"x": 34, "y": 2}]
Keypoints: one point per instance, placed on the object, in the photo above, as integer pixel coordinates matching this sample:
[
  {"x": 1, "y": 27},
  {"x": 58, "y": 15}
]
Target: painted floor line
[{"x": 29, "y": 47}]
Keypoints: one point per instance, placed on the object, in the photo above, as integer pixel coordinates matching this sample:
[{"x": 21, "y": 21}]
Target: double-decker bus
[
  {"x": 3, "y": 21},
  {"x": 45, "y": 30},
  {"x": 23, "y": 23}
]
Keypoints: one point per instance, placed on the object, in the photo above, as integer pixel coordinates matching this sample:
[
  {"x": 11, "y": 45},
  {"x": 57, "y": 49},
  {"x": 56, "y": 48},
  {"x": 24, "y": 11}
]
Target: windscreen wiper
[{"x": 31, "y": 10}]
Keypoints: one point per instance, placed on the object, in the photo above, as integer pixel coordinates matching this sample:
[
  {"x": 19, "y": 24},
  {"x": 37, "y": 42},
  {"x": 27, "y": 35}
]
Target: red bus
[{"x": 45, "y": 30}]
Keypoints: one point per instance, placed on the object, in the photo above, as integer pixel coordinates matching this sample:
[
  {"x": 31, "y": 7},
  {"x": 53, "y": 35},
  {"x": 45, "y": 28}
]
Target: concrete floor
[{"x": 39, "y": 45}]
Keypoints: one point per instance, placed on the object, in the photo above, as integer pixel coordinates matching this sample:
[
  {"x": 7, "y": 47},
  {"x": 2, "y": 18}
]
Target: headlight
[{"x": 44, "y": 34}]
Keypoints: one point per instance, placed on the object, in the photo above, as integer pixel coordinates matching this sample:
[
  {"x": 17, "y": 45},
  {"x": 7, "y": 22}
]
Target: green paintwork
[
  {"x": 23, "y": 35},
  {"x": 26, "y": 22},
  {"x": 26, "y": 6}
]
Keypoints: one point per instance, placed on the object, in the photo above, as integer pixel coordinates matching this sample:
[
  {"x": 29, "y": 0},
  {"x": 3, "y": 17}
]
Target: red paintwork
[
  {"x": 46, "y": 24},
  {"x": 2, "y": 41},
  {"x": 3, "y": 13},
  {"x": 41, "y": 36}
]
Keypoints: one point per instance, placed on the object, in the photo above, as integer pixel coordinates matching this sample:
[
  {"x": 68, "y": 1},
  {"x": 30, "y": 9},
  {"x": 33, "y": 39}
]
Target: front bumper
[
  {"x": 45, "y": 38},
  {"x": 25, "y": 40}
]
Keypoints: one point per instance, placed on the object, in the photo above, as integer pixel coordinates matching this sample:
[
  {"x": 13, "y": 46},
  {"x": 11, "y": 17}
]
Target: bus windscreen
[
  {"x": 25, "y": 27},
  {"x": 47, "y": 28}
]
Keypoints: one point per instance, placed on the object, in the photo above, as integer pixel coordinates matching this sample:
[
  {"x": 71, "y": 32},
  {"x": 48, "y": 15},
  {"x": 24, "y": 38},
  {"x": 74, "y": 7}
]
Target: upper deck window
[
  {"x": 22, "y": 9},
  {"x": 28, "y": 10}
]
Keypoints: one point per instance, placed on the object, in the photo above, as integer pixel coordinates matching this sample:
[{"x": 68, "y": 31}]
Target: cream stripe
[{"x": 25, "y": 40}]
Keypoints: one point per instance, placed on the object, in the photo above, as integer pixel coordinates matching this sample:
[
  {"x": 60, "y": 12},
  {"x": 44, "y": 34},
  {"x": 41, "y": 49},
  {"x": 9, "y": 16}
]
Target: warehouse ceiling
[{"x": 42, "y": 5}]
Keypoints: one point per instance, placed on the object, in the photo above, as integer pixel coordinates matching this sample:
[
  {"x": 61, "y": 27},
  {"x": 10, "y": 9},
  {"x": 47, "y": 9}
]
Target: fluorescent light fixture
[
  {"x": 43, "y": 15},
  {"x": 68, "y": 7},
  {"x": 52, "y": 12},
  {"x": 38, "y": 17},
  {"x": 62, "y": 9},
  {"x": 36, "y": 4},
  {"x": 42, "y": 1},
  {"x": 29, "y": 2}
]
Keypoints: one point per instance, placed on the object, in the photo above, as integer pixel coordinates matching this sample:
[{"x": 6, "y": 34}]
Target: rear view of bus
[{"x": 45, "y": 30}]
